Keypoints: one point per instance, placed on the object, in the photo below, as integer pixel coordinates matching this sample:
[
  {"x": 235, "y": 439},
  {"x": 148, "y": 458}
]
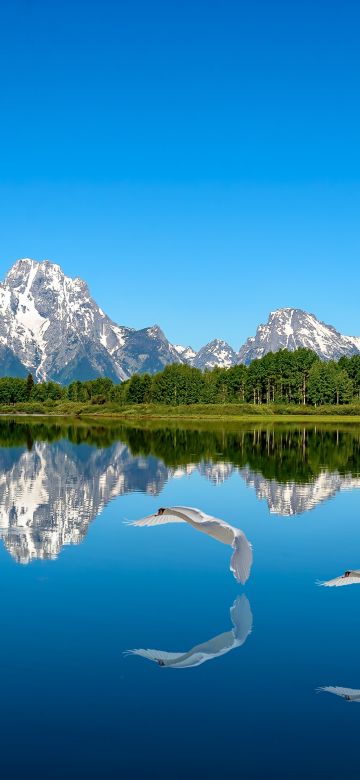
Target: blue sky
[{"x": 198, "y": 163}]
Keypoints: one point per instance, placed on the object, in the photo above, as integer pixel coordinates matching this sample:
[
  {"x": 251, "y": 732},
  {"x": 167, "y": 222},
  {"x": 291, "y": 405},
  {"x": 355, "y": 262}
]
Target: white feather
[
  {"x": 242, "y": 557},
  {"x": 351, "y": 694},
  {"x": 351, "y": 579}
]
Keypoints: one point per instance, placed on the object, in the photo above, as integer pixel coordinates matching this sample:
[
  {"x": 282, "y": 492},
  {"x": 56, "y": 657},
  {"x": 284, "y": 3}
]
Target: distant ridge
[
  {"x": 50, "y": 325},
  {"x": 294, "y": 328}
]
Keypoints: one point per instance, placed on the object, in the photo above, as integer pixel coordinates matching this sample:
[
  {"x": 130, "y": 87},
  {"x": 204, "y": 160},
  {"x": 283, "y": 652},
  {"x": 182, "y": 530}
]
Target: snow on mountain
[
  {"x": 294, "y": 328},
  {"x": 187, "y": 354},
  {"x": 146, "y": 350},
  {"x": 51, "y": 326},
  {"x": 216, "y": 353}
]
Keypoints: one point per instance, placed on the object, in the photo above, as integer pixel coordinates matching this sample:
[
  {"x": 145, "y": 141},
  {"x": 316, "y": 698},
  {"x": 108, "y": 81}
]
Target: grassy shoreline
[{"x": 142, "y": 413}]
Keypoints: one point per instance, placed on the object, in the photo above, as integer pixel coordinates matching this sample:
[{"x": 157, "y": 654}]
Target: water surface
[{"x": 80, "y": 587}]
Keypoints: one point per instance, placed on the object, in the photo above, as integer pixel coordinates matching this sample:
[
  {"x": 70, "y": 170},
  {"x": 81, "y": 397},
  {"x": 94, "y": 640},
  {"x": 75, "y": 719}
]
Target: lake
[{"x": 81, "y": 587}]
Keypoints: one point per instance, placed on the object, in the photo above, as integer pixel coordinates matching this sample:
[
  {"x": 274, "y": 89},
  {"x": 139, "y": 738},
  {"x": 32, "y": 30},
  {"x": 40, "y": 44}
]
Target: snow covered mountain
[
  {"x": 186, "y": 353},
  {"x": 146, "y": 350},
  {"x": 294, "y": 328},
  {"x": 50, "y": 325},
  {"x": 216, "y": 353}
]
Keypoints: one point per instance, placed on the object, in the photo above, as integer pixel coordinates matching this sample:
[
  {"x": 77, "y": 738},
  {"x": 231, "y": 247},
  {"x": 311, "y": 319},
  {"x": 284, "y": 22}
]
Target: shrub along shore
[
  {"x": 141, "y": 413},
  {"x": 282, "y": 384}
]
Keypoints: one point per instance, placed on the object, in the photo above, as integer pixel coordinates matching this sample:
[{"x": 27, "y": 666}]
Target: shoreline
[{"x": 128, "y": 417}]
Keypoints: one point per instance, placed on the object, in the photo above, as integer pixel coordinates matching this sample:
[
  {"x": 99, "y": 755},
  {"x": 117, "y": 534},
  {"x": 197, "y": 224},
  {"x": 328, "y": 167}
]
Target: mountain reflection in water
[{"x": 55, "y": 478}]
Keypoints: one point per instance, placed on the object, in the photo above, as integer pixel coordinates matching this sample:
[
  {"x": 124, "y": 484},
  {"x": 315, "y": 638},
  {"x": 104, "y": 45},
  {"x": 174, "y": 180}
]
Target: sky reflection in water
[{"x": 86, "y": 591}]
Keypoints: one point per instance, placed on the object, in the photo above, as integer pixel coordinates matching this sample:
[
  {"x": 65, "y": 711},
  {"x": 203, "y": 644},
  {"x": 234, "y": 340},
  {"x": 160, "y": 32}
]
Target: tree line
[{"x": 283, "y": 377}]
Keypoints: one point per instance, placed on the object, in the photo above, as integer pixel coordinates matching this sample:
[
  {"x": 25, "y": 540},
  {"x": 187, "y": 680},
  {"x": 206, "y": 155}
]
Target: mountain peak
[
  {"x": 291, "y": 329},
  {"x": 50, "y": 325},
  {"x": 216, "y": 353},
  {"x": 154, "y": 331},
  {"x": 26, "y": 264},
  {"x": 283, "y": 309}
]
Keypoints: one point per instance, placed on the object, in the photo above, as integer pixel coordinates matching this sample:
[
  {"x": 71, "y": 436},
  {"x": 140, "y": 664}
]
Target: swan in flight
[
  {"x": 241, "y": 618},
  {"x": 350, "y": 577},
  {"x": 349, "y": 694},
  {"x": 241, "y": 559}
]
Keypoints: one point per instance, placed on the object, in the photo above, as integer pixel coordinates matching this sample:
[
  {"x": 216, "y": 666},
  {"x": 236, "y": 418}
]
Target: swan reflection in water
[
  {"x": 349, "y": 694},
  {"x": 242, "y": 557},
  {"x": 241, "y": 617},
  {"x": 350, "y": 577}
]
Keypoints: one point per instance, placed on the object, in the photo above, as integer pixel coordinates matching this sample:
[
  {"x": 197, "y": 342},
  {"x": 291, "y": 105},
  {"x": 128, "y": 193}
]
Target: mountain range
[{"x": 51, "y": 326}]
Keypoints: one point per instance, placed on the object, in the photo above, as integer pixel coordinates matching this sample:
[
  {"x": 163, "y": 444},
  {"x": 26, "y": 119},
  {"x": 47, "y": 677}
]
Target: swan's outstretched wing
[
  {"x": 194, "y": 515},
  {"x": 156, "y": 519},
  {"x": 156, "y": 655},
  {"x": 213, "y": 526},
  {"x": 346, "y": 693},
  {"x": 191, "y": 659},
  {"x": 242, "y": 558},
  {"x": 242, "y": 619},
  {"x": 338, "y": 582}
]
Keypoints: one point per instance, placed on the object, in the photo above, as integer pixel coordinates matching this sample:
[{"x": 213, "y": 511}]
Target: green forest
[{"x": 286, "y": 378}]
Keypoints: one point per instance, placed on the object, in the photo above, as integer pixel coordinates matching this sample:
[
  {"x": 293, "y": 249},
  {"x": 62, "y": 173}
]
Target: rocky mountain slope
[
  {"x": 50, "y": 325},
  {"x": 216, "y": 353},
  {"x": 294, "y": 328},
  {"x": 186, "y": 353}
]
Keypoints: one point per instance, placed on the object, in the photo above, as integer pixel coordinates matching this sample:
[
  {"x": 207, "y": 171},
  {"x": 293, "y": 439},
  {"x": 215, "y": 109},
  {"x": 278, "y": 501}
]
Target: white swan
[
  {"x": 241, "y": 559},
  {"x": 350, "y": 694},
  {"x": 241, "y": 618},
  {"x": 350, "y": 577}
]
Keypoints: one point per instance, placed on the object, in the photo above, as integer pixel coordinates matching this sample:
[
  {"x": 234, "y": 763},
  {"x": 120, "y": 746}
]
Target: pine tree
[{"x": 29, "y": 385}]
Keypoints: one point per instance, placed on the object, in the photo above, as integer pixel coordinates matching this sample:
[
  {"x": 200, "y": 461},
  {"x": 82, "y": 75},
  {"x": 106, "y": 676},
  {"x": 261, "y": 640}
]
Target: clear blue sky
[{"x": 198, "y": 163}]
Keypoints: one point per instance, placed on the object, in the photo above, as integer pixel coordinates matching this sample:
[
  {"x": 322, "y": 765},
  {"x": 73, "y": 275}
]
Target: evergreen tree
[{"x": 29, "y": 385}]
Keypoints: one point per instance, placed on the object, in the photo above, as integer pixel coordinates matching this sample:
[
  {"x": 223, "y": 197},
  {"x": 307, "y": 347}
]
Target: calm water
[{"x": 79, "y": 587}]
